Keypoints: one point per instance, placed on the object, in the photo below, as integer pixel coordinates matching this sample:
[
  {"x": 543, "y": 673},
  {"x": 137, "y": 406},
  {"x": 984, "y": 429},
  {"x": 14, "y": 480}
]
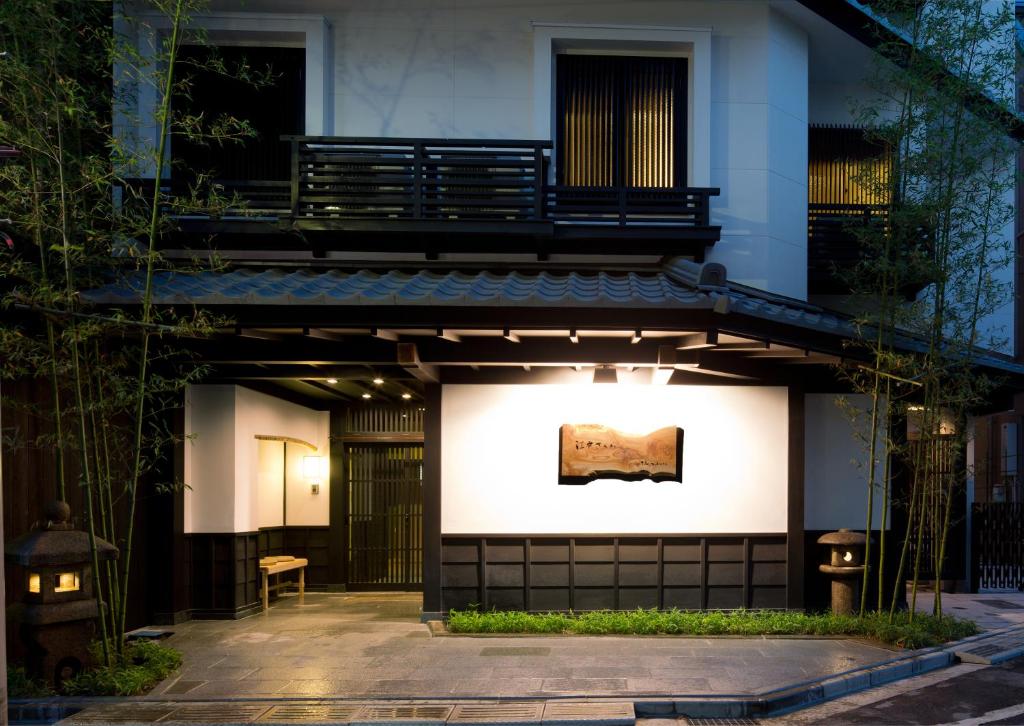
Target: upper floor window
[
  {"x": 845, "y": 167},
  {"x": 621, "y": 121},
  {"x": 272, "y": 108}
]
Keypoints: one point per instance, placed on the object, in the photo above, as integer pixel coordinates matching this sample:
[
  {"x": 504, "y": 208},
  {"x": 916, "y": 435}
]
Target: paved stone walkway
[
  {"x": 373, "y": 646},
  {"x": 990, "y": 610}
]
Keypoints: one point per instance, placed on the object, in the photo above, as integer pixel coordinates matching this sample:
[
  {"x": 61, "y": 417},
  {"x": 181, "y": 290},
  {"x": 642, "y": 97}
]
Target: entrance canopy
[{"x": 682, "y": 322}]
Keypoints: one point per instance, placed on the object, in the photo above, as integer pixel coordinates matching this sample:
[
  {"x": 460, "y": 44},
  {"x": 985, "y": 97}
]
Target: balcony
[
  {"x": 433, "y": 196},
  {"x": 834, "y": 249}
]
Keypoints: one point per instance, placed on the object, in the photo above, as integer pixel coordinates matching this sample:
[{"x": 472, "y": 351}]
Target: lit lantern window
[
  {"x": 66, "y": 582},
  {"x": 33, "y": 583}
]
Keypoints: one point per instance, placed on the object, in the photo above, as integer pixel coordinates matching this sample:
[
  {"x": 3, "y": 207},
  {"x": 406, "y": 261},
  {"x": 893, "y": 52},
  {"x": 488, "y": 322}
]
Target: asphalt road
[{"x": 975, "y": 696}]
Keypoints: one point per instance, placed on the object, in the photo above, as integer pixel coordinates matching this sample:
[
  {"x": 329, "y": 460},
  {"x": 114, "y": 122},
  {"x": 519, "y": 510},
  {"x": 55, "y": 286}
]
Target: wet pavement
[
  {"x": 347, "y": 645},
  {"x": 990, "y": 610}
]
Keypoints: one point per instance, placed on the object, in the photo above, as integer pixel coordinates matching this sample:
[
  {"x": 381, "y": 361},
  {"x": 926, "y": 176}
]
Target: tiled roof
[
  {"x": 335, "y": 287},
  {"x": 679, "y": 285}
]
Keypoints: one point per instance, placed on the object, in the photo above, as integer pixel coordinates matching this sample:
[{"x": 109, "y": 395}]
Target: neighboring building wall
[
  {"x": 499, "y": 470},
  {"x": 835, "y": 468}
]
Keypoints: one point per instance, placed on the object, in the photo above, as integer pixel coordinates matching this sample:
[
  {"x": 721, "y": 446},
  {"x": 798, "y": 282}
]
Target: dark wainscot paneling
[
  {"x": 618, "y": 573},
  {"x": 225, "y": 575},
  {"x": 308, "y": 542}
]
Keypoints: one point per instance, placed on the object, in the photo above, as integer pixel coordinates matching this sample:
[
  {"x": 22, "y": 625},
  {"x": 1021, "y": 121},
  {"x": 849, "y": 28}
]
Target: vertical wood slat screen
[
  {"x": 385, "y": 514},
  {"x": 844, "y": 167},
  {"x": 621, "y": 121}
]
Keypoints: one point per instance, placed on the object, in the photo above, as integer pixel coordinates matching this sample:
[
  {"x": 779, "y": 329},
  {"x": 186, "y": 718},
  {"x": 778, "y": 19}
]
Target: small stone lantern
[
  {"x": 846, "y": 567},
  {"x": 58, "y": 614}
]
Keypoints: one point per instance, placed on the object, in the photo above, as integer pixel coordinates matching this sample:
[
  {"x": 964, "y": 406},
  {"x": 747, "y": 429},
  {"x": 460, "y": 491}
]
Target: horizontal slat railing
[
  {"x": 216, "y": 197},
  {"x": 377, "y": 183},
  {"x": 418, "y": 179},
  {"x": 831, "y": 243},
  {"x": 624, "y": 206}
]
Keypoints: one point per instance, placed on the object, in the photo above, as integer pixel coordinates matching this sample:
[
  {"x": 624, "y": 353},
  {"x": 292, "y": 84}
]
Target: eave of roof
[
  {"x": 680, "y": 285},
  {"x": 857, "y": 20}
]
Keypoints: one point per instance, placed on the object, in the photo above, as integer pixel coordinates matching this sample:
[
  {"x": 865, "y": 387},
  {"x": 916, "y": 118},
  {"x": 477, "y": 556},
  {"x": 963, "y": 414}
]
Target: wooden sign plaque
[{"x": 591, "y": 451}]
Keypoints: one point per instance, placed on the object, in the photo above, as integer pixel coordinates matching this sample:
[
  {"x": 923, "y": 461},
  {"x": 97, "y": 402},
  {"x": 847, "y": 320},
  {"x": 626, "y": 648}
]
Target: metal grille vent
[
  {"x": 609, "y": 714},
  {"x": 311, "y": 713},
  {"x": 493, "y": 714},
  {"x": 205, "y": 713},
  {"x": 409, "y": 714},
  {"x": 126, "y": 713}
]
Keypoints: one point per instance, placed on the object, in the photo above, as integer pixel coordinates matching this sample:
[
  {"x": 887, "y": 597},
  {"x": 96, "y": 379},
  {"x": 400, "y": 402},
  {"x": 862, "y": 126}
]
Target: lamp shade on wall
[{"x": 313, "y": 471}]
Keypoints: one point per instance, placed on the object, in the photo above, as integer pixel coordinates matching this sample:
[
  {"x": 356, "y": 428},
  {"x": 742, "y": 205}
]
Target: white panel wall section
[
  {"x": 209, "y": 459},
  {"x": 499, "y": 470},
  {"x": 270, "y": 468},
  {"x": 835, "y": 462},
  {"x": 227, "y": 468}
]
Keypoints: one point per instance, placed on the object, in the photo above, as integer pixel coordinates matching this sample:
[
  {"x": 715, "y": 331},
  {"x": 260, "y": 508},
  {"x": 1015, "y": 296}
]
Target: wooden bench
[{"x": 275, "y": 566}]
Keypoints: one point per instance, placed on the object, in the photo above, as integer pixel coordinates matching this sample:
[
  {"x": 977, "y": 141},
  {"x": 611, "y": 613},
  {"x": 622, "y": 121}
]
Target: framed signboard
[{"x": 592, "y": 451}]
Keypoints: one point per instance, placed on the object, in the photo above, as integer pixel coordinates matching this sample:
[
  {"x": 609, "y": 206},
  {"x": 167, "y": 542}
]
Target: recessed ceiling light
[
  {"x": 332, "y": 381},
  {"x": 366, "y": 395},
  {"x": 378, "y": 380},
  {"x": 406, "y": 396}
]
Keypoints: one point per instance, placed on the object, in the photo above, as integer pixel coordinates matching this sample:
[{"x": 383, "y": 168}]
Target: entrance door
[{"x": 385, "y": 516}]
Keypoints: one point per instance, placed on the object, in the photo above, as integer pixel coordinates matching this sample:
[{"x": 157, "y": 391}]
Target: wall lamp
[{"x": 312, "y": 471}]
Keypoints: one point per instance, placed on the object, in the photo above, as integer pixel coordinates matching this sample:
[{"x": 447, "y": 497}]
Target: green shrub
[
  {"x": 20, "y": 685},
  {"x": 143, "y": 665},
  {"x": 924, "y": 631}
]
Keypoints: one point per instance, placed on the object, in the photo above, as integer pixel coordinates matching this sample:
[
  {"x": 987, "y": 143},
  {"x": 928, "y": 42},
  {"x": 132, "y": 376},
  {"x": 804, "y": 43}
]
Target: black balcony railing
[
  {"x": 834, "y": 247},
  {"x": 447, "y": 192}
]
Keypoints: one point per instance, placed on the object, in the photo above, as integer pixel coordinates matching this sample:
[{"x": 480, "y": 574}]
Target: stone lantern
[
  {"x": 846, "y": 566},
  {"x": 58, "y": 614}
]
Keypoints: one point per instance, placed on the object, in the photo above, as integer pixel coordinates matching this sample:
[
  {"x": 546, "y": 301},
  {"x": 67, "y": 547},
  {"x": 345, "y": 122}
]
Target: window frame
[{"x": 694, "y": 44}]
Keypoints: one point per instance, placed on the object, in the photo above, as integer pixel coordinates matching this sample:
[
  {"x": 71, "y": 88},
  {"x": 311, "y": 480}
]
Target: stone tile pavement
[
  {"x": 373, "y": 646},
  {"x": 990, "y": 610}
]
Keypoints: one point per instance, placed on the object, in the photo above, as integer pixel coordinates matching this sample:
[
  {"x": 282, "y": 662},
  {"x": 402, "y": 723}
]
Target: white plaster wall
[
  {"x": 835, "y": 463},
  {"x": 229, "y": 487},
  {"x": 499, "y": 460},
  {"x": 269, "y": 483},
  {"x": 465, "y": 69},
  {"x": 258, "y": 413},
  {"x": 209, "y": 459}
]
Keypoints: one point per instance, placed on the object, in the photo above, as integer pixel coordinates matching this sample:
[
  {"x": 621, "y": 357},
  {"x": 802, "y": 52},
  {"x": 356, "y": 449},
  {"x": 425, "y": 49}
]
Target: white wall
[
  {"x": 467, "y": 70},
  {"x": 835, "y": 463},
  {"x": 230, "y": 489},
  {"x": 499, "y": 467},
  {"x": 269, "y": 483},
  {"x": 209, "y": 459}
]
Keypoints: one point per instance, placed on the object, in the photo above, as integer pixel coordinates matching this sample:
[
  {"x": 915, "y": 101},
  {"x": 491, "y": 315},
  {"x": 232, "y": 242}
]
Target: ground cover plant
[
  {"x": 921, "y": 632},
  {"x": 142, "y": 666}
]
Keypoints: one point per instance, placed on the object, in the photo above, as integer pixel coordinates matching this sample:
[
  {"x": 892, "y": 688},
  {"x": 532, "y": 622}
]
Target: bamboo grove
[
  {"x": 74, "y": 77},
  {"x": 932, "y": 278}
]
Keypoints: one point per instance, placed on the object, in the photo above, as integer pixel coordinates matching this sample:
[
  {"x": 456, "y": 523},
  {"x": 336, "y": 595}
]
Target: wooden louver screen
[
  {"x": 621, "y": 121},
  {"x": 846, "y": 168}
]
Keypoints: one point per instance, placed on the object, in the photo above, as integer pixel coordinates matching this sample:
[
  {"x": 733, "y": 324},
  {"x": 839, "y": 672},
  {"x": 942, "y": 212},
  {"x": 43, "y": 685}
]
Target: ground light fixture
[
  {"x": 367, "y": 396},
  {"x": 332, "y": 381},
  {"x": 378, "y": 381},
  {"x": 312, "y": 472}
]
